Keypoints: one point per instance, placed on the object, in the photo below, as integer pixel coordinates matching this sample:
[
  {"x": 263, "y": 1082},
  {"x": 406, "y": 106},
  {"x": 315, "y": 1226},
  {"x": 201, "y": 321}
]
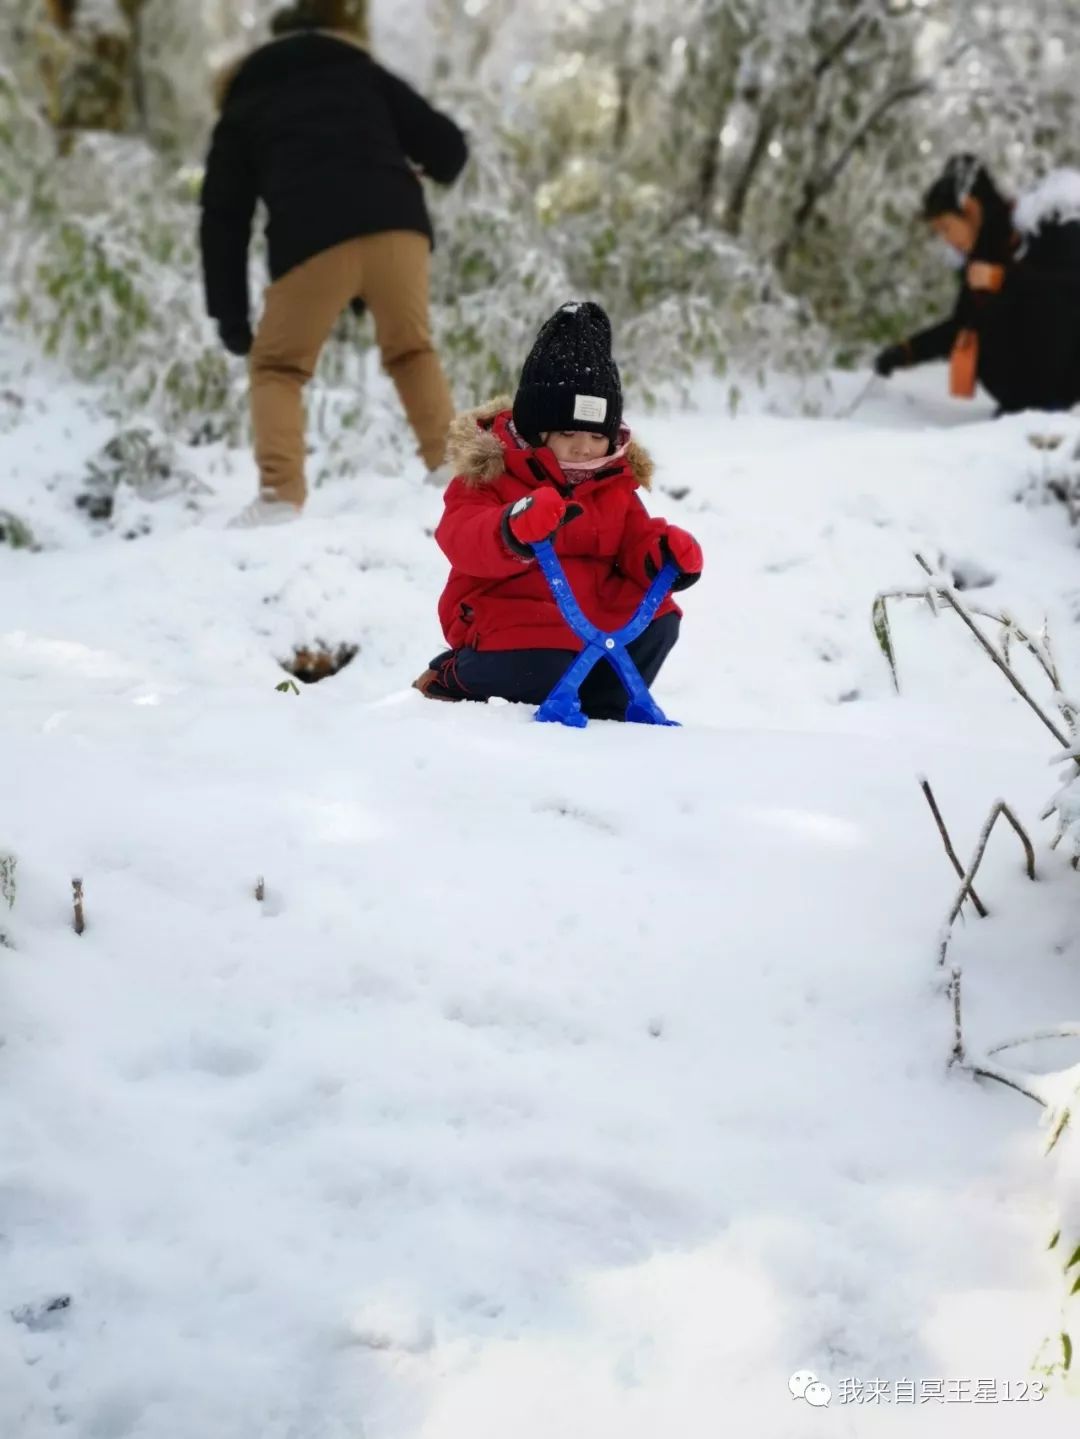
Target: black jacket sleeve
[
  {"x": 974, "y": 310},
  {"x": 429, "y": 138},
  {"x": 936, "y": 343},
  {"x": 228, "y": 205}
]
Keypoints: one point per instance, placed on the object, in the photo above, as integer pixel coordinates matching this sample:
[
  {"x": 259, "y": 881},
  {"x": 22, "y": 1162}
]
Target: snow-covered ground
[{"x": 581, "y": 1084}]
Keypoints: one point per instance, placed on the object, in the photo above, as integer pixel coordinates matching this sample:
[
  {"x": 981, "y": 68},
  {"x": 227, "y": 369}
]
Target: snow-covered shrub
[
  {"x": 683, "y": 297},
  {"x": 15, "y": 533},
  {"x": 143, "y": 461},
  {"x": 26, "y": 148},
  {"x": 686, "y": 298},
  {"x": 494, "y": 283},
  {"x": 106, "y": 275}
]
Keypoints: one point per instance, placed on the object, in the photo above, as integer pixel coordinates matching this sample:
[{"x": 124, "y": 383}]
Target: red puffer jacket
[{"x": 494, "y": 599}]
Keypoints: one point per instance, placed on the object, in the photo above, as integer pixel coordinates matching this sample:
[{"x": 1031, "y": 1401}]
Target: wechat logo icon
[{"x": 804, "y": 1385}]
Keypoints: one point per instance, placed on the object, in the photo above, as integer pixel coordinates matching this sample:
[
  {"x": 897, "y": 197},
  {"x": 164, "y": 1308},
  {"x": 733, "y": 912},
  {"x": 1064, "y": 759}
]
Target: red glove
[
  {"x": 680, "y": 549},
  {"x": 534, "y": 518}
]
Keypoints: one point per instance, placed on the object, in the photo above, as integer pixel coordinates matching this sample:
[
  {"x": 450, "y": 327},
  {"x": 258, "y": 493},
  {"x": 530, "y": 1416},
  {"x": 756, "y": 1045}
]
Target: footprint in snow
[
  {"x": 204, "y": 1054},
  {"x": 224, "y": 1058},
  {"x": 781, "y": 567},
  {"x": 391, "y": 1325},
  {"x": 970, "y": 575}
]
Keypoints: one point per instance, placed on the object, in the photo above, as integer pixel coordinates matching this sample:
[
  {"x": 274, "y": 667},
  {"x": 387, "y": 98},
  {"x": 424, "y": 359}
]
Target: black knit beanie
[{"x": 570, "y": 380}]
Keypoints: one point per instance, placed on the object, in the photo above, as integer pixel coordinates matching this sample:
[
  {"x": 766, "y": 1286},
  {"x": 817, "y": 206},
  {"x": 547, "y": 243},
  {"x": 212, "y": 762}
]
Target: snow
[
  {"x": 563, "y": 1083},
  {"x": 104, "y": 16},
  {"x": 1057, "y": 198}
]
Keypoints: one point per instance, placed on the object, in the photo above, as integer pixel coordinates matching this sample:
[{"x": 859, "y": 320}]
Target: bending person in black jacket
[
  {"x": 1016, "y": 325},
  {"x": 331, "y": 143}
]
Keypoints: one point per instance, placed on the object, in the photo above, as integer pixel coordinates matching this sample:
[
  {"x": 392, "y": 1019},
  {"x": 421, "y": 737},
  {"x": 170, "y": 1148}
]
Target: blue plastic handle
[{"x": 563, "y": 705}]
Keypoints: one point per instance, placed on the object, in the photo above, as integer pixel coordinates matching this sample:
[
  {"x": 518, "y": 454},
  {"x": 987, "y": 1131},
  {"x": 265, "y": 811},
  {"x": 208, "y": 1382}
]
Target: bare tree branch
[
  {"x": 839, "y": 48},
  {"x": 768, "y": 119},
  {"x": 818, "y": 185}
]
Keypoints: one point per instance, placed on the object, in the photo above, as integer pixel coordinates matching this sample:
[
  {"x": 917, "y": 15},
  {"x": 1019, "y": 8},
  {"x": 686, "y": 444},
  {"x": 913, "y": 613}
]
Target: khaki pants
[{"x": 389, "y": 272}]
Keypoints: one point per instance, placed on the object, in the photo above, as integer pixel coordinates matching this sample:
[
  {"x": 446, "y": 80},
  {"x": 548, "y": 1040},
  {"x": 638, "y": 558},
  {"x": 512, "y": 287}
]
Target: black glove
[
  {"x": 235, "y": 336},
  {"x": 896, "y": 357}
]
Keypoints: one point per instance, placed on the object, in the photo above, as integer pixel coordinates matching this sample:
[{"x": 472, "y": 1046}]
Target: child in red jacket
[{"x": 559, "y": 465}]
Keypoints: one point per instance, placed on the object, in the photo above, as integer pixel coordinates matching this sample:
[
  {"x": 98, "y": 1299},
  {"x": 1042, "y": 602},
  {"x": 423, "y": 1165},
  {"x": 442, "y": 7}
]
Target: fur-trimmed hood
[{"x": 476, "y": 454}]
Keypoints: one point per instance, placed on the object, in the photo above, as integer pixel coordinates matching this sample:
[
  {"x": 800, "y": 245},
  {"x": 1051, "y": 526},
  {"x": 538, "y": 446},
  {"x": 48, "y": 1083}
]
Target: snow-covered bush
[
  {"x": 106, "y": 275},
  {"x": 146, "y": 463},
  {"x": 14, "y": 532},
  {"x": 685, "y": 298},
  {"x": 1057, "y": 1091},
  {"x": 514, "y": 244}
]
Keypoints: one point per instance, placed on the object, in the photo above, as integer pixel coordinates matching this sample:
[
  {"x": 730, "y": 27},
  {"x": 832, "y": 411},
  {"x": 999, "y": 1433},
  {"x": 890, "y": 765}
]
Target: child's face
[{"x": 575, "y": 447}]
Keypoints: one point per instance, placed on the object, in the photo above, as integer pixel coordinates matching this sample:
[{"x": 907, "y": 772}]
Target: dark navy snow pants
[{"x": 529, "y": 676}]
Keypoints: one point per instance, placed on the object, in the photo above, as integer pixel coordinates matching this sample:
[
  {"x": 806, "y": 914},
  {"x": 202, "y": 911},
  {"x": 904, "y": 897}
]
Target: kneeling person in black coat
[{"x": 1016, "y": 325}]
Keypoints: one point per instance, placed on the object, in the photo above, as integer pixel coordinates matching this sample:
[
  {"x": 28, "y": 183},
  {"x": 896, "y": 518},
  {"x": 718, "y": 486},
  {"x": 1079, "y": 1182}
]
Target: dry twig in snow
[
  {"x": 945, "y": 839},
  {"x": 1000, "y": 809}
]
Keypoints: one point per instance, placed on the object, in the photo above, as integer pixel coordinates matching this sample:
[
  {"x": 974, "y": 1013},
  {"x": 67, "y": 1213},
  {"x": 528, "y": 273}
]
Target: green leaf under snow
[
  {"x": 884, "y": 637},
  {"x": 1054, "y": 1242},
  {"x": 1074, "y": 1260},
  {"x": 1066, "y": 1350},
  {"x": 1076, "y": 1287}
]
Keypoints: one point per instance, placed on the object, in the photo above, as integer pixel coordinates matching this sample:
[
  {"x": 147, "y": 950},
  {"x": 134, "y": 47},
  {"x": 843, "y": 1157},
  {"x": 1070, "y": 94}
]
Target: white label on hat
[{"x": 590, "y": 407}]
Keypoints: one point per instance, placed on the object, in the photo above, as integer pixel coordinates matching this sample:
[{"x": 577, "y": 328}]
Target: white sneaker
[
  {"x": 440, "y": 477},
  {"x": 264, "y": 511}
]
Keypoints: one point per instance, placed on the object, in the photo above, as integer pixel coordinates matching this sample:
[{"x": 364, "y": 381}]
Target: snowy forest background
[{"x": 736, "y": 180}]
